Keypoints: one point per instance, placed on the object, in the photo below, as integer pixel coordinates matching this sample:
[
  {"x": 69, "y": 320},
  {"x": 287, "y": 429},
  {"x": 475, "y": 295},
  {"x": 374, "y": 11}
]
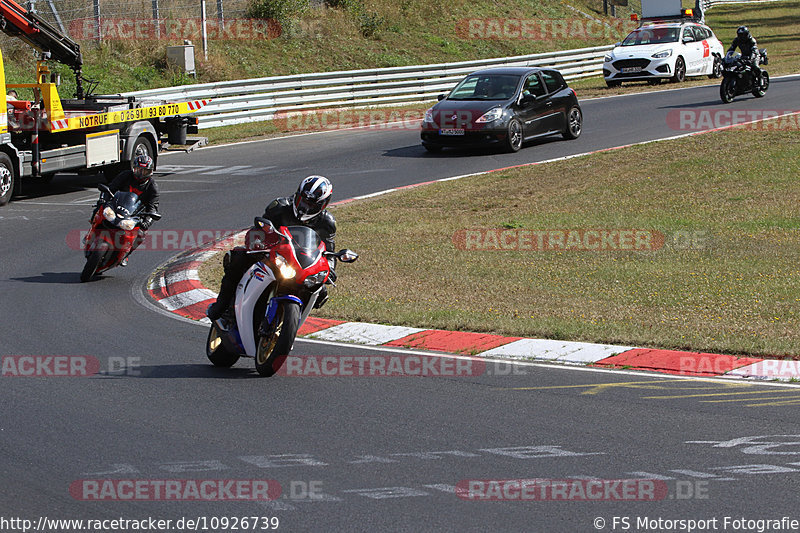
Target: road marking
[
  {"x": 594, "y": 388},
  {"x": 710, "y": 394}
]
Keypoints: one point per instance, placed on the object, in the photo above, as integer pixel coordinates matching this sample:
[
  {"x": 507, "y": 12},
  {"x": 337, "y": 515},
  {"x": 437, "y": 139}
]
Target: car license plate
[
  {"x": 452, "y": 131},
  {"x": 628, "y": 70}
]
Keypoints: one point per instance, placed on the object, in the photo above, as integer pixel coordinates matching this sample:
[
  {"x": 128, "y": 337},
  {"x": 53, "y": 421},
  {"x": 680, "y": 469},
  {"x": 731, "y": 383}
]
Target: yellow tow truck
[{"x": 47, "y": 134}]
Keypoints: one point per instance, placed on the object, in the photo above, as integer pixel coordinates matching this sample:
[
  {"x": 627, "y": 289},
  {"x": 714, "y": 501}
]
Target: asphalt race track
[{"x": 356, "y": 453}]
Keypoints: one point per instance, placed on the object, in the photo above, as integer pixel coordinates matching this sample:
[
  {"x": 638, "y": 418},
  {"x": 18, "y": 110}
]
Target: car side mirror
[
  {"x": 618, "y": 44},
  {"x": 527, "y": 98},
  {"x": 687, "y": 40},
  {"x": 441, "y": 97}
]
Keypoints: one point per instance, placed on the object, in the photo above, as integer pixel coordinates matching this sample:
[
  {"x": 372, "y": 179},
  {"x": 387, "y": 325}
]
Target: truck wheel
[
  {"x": 6, "y": 179},
  {"x": 142, "y": 146}
]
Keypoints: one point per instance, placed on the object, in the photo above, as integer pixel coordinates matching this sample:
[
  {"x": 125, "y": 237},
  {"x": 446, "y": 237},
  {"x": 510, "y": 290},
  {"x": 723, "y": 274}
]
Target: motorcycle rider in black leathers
[
  {"x": 140, "y": 181},
  {"x": 747, "y": 44},
  {"x": 307, "y": 208}
]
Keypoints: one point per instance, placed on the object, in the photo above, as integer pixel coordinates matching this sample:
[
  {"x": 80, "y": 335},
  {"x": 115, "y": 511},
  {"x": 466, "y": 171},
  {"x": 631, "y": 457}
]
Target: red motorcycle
[
  {"x": 274, "y": 297},
  {"x": 115, "y": 226}
]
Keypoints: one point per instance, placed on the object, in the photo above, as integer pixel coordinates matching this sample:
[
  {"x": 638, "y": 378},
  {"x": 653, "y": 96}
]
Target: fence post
[
  {"x": 220, "y": 15},
  {"x": 97, "y": 19},
  {"x": 157, "y": 19},
  {"x": 203, "y": 22}
]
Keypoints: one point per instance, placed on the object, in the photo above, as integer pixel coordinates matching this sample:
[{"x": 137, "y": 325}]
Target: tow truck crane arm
[{"x": 16, "y": 21}]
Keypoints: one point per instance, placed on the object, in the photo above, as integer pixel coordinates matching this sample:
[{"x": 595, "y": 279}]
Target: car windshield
[
  {"x": 651, "y": 36},
  {"x": 486, "y": 87},
  {"x": 306, "y": 243}
]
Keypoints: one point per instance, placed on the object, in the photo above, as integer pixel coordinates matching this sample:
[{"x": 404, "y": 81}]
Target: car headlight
[
  {"x": 607, "y": 58},
  {"x": 285, "y": 268},
  {"x": 109, "y": 214},
  {"x": 491, "y": 115},
  {"x": 662, "y": 54},
  {"x": 127, "y": 224},
  {"x": 429, "y": 115}
]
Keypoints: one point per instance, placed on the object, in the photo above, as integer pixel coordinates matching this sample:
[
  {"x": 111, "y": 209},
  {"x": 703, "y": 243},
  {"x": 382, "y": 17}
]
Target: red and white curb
[{"x": 176, "y": 287}]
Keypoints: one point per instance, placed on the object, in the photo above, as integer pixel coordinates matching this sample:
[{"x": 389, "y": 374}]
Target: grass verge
[{"x": 725, "y": 279}]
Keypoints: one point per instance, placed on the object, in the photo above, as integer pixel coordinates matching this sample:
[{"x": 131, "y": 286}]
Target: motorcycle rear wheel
[
  {"x": 219, "y": 355},
  {"x": 273, "y": 349},
  {"x": 727, "y": 90},
  {"x": 93, "y": 261}
]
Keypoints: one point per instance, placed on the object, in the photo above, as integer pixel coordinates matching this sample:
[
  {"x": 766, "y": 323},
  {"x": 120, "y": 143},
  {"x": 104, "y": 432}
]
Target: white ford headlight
[
  {"x": 662, "y": 54},
  {"x": 429, "y": 115},
  {"x": 607, "y": 58}
]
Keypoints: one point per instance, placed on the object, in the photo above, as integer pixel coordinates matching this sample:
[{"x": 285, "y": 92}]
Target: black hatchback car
[{"x": 503, "y": 106}]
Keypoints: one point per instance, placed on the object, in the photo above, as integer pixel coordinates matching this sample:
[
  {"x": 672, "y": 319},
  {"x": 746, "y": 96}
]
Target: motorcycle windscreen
[
  {"x": 306, "y": 243},
  {"x": 127, "y": 202}
]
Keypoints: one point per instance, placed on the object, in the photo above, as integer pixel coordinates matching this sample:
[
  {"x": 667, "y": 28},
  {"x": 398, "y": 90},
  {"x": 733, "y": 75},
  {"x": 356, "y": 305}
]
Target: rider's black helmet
[
  {"x": 312, "y": 197},
  {"x": 743, "y": 32},
  {"x": 142, "y": 168}
]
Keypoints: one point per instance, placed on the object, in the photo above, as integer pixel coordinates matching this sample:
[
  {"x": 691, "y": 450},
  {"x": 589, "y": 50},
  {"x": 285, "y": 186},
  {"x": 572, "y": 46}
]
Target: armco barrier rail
[{"x": 240, "y": 101}]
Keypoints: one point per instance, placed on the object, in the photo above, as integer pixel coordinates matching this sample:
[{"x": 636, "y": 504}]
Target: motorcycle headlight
[
  {"x": 314, "y": 280},
  {"x": 491, "y": 115},
  {"x": 429, "y": 115},
  {"x": 109, "y": 214},
  {"x": 127, "y": 224},
  {"x": 287, "y": 271},
  {"x": 662, "y": 54}
]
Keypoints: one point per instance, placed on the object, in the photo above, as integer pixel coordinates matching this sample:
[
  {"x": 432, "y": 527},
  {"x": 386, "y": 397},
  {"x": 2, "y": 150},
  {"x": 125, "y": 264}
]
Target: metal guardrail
[
  {"x": 241, "y": 101},
  {"x": 708, "y": 4}
]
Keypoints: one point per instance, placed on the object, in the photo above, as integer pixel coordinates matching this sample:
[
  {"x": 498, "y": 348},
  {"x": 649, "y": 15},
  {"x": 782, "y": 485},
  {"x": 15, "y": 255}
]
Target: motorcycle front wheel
[
  {"x": 93, "y": 261},
  {"x": 273, "y": 349},
  {"x": 216, "y": 351},
  {"x": 727, "y": 90},
  {"x": 761, "y": 90}
]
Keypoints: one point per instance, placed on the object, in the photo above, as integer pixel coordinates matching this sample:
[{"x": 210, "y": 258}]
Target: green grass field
[{"x": 725, "y": 279}]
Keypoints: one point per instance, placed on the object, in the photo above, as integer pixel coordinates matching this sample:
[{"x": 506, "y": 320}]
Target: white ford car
[{"x": 666, "y": 50}]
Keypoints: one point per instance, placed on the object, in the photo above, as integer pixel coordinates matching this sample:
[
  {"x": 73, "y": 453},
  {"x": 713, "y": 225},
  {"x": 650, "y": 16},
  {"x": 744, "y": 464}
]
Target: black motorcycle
[{"x": 737, "y": 77}]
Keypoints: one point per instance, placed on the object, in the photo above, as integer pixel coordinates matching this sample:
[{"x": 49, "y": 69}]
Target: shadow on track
[
  {"x": 52, "y": 277},
  {"x": 189, "y": 371}
]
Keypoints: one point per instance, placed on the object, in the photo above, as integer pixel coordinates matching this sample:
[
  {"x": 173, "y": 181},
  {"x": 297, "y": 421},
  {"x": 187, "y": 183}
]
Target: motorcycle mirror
[
  {"x": 263, "y": 223},
  {"x": 347, "y": 256},
  {"x": 104, "y": 188}
]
